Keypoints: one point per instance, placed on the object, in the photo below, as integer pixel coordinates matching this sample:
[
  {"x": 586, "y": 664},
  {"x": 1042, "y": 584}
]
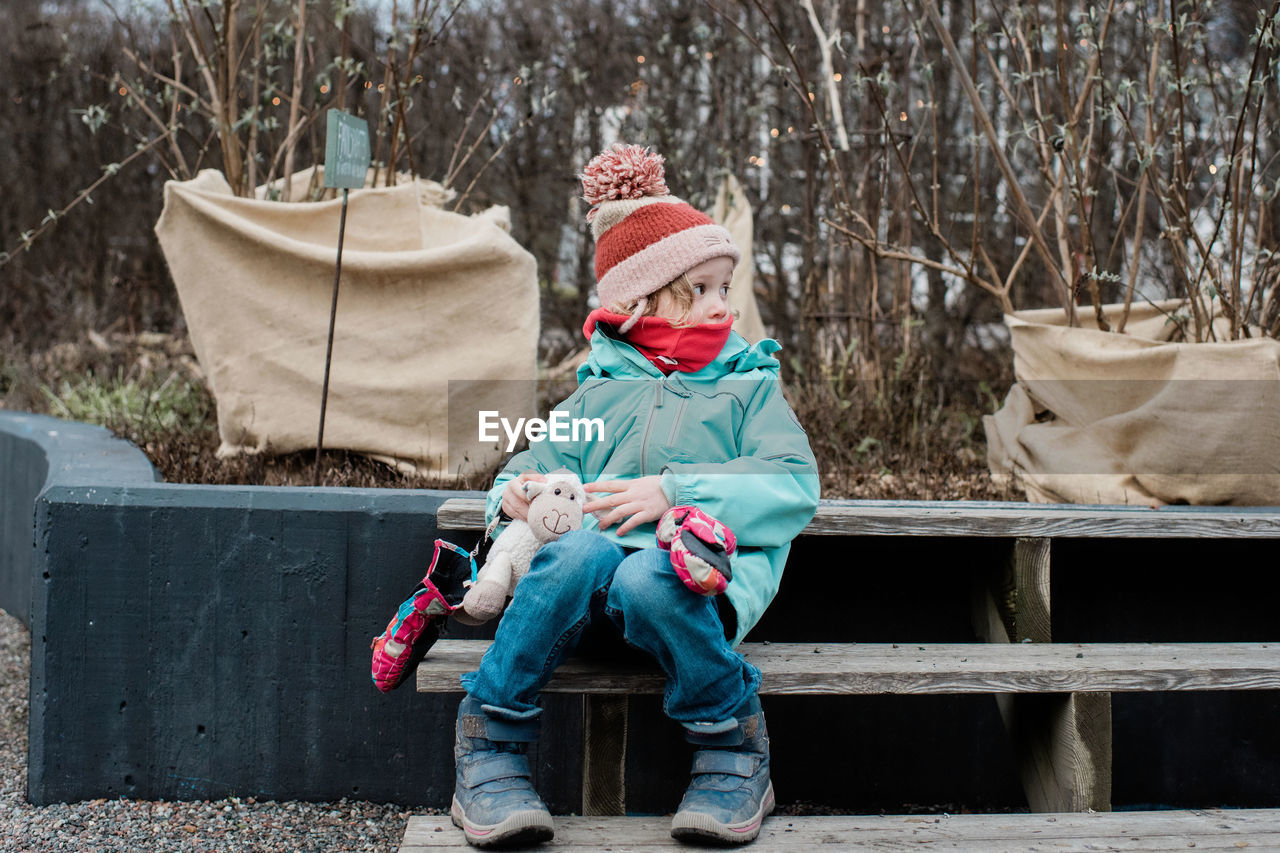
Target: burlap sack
[
  {"x": 1099, "y": 417},
  {"x": 734, "y": 213},
  {"x": 437, "y": 319}
]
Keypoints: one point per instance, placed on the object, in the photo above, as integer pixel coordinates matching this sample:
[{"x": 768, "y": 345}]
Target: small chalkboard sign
[{"x": 346, "y": 151}]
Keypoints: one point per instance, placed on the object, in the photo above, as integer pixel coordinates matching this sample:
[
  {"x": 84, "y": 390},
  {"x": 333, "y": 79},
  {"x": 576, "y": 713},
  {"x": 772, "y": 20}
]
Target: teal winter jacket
[{"x": 723, "y": 439}]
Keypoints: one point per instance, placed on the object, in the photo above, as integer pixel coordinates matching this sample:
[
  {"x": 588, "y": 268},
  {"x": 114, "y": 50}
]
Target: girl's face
[{"x": 710, "y": 281}]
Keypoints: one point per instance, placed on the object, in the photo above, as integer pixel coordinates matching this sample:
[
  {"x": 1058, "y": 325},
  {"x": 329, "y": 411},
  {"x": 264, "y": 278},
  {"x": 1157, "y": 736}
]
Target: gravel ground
[{"x": 227, "y": 826}]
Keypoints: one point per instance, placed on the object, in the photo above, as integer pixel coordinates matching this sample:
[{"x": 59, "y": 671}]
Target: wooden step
[
  {"x": 867, "y": 668},
  {"x": 991, "y": 519},
  {"x": 1214, "y": 829}
]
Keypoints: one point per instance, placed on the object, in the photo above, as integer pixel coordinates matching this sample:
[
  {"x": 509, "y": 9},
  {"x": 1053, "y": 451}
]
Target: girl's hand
[
  {"x": 514, "y": 503},
  {"x": 636, "y": 501}
]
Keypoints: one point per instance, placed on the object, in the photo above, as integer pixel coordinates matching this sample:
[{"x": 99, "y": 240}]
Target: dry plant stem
[
  {"x": 160, "y": 124},
  {"x": 1175, "y": 210},
  {"x": 1258, "y": 279},
  {"x": 1013, "y": 102},
  {"x": 229, "y": 72},
  {"x": 399, "y": 133},
  {"x": 1086, "y": 97},
  {"x": 936, "y": 185},
  {"x": 900, "y": 211},
  {"x": 1136, "y": 251},
  {"x": 974, "y": 230},
  {"x": 1076, "y": 164},
  {"x": 992, "y": 271},
  {"x": 1059, "y": 164},
  {"x": 1180, "y": 173},
  {"x": 827, "y": 38},
  {"x": 450, "y": 171},
  {"x": 402, "y": 122},
  {"x": 1239, "y": 238},
  {"x": 206, "y": 62},
  {"x": 388, "y": 80},
  {"x": 1166, "y": 199},
  {"x": 1026, "y": 247},
  {"x": 1230, "y": 191},
  {"x": 147, "y": 69},
  {"x": 800, "y": 86},
  {"x": 896, "y": 254},
  {"x": 343, "y": 80},
  {"x": 1261, "y": 279},
  {"x": 30, "y": 237},
  {"x": 934, "y": 223},
  {"x": 970, "y": 274},
  {"x": 294, "y": 133},
  {"x": 1020, "y": 202},
  {"x": 1240, "y": 215},
  {"x": 1043, "y": 147},
  {"x": 480, "y": 137},
  {"x": 1143, "y": 183},
  {"x": 295, "y": 101},
  {"x": 457, "y": 205},
  {"x": 173, "y": 109},
  {"x": 256, "y": 95}
]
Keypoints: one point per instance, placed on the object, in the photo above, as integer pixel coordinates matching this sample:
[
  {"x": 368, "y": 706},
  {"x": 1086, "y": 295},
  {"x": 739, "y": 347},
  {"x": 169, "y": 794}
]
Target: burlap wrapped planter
[
  {"x": 432, "y": 303},
  {"x": 1134, "y": 418}
]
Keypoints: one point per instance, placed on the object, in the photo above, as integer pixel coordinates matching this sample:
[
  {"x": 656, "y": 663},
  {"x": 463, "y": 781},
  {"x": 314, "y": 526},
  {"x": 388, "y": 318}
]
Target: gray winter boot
[
  {"x": 730, "y": 793},
  {"x": 494, "y": 801}
]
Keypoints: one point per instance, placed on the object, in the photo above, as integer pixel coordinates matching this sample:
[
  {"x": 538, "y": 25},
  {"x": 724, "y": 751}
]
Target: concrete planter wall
[
  {"x": 35, "y": 451},
  {"x": 193, "y": 642}
]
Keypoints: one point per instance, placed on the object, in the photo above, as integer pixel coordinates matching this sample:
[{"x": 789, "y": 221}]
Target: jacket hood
[{"x": 614, "y": 358}]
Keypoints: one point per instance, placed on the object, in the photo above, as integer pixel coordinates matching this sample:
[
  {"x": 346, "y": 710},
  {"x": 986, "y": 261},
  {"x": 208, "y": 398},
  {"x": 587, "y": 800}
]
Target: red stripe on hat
[{"x": 642, "y": 229}]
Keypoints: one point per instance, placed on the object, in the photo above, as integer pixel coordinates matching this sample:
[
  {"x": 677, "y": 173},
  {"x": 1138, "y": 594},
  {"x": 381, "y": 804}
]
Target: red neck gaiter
[{"x": 669, "y": 348}]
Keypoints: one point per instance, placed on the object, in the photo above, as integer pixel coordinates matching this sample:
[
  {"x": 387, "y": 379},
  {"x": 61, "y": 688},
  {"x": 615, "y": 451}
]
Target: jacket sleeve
[
  {"x": 770, "y": 492},
  {"x": 541, "y": 456}
]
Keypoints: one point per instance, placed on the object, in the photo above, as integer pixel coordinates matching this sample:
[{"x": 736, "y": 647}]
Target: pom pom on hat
[
  {"x": 645, "y": 237},
  {"x": 623, "y": 172}
]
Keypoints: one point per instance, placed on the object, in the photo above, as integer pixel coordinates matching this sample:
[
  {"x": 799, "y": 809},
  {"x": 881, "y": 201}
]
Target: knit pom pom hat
[{"x": 645, "y": 237}]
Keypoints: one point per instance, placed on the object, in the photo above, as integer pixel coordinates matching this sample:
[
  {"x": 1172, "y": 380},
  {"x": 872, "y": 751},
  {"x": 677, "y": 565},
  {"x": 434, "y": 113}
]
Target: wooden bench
[
  {"x": 1215, "y": 829},
  {"x": 1055, "y": 698}
]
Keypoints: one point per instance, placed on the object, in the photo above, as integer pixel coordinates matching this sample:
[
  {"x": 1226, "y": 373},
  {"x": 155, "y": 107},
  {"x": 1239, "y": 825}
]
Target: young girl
[{"x": 693, "y": 416}]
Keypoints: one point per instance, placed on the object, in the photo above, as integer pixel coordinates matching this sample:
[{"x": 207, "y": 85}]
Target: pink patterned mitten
[{"x": 700, "y": 548}]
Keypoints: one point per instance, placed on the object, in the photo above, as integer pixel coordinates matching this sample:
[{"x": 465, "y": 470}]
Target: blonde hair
[{"x": 679, "y": 292}]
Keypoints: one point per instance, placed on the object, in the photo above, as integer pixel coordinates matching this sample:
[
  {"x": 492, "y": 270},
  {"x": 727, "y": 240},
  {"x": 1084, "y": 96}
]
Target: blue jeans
[{"x": 583, "y": 580}]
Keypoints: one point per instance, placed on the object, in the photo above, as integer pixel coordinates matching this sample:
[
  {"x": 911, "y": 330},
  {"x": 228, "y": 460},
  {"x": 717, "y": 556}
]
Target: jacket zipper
[{"x": 648, "y": 425}]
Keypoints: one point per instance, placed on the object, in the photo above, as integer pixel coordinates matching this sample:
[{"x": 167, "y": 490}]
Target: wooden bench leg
[
  {"x": 1063, "y": 740},
  {"x": 604, "y": 754},
  {"x": 1063, "y": 743}
]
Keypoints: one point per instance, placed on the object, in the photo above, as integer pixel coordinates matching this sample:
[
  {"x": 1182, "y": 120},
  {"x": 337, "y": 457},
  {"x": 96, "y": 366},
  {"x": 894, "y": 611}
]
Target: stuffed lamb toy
[{"x": 555, "y": 508}]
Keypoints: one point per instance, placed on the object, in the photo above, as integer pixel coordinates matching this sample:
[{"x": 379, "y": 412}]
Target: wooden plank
[
  {"x": 1063, "y": 743},
  {"x": 866, "y": 668},
  {"x": 993, "y": 519},
  {"x": 604, "y": 754},
  {"x": 1012, "y": 604},
  {"x": 1030, "y": 581},
  {"x": 1212, "y": 829},
  {"x": 1062, "y": 740}
]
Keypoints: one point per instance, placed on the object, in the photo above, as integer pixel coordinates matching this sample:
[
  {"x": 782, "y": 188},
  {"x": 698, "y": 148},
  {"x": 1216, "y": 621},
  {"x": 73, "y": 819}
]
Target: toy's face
[{"x": 556, "y": 510}]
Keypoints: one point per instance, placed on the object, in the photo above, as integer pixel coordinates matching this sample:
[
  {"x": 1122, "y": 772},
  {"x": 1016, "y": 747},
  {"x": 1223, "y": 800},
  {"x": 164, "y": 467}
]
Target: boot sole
[
  {"x": 694, "y": 826},
  {"x": 527, "y": 827}
]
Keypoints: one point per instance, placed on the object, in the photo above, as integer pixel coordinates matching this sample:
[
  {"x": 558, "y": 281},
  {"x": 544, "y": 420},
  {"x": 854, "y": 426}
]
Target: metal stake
[{"x": 328, "y": 353}]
